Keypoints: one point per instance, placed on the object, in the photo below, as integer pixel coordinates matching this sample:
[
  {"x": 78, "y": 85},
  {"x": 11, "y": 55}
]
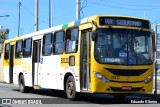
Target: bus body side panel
[
  {"x": 71, "y": 70},
  {"x": 27, "y": 70},
  {"x": 60, "y": 74},
  {"x": 48, "y": 72},
  {"x": 6, "y": 71},
  {"x": 65, "y": 68},
  {"x": 77, "y": 78},
  {"x": 17, "y": 69}
]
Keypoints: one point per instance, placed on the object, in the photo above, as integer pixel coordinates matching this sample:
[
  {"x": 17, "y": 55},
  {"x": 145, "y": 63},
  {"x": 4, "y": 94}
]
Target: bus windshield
[{"x": 123, "y": 47}]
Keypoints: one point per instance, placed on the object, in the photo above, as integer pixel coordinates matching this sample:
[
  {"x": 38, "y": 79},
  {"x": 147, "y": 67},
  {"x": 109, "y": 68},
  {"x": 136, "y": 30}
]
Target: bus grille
[
  {"x": 120, "y": 89},
  {"x": 124, "y": 72}
]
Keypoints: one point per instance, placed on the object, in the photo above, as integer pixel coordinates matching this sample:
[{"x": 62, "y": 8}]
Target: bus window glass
[
  {"x": 59, "y": 42},
  {"x": 18, "y": 50},
  {"x": 7, "y": 50},
  {"x": 48, "y": 39},
  {"x": 74, "y": 34},
  {"x": 27, "y": 48},
  {"x": 47, "y": 44},
  {"x": 28, "y": 43},
  {"x": 71, "y": 40}
]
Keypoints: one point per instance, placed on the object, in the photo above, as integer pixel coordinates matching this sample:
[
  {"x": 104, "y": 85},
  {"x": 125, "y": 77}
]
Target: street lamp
[
  {"x": 50, "y": 14},
  {"x": 5, "y": 16}
]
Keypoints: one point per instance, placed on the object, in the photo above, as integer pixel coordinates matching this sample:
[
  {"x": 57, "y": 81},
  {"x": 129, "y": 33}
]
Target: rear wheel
[
  {"x": 71, "y": 88},
  {"x": 22, "y": 86}
]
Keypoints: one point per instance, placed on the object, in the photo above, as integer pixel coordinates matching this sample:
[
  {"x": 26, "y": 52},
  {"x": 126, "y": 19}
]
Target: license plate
[{"x": 127, "y": 88}]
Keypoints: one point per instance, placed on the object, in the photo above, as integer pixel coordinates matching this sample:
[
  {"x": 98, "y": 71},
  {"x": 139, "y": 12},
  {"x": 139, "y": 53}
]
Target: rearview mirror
[{"x": 94, "y": 35}]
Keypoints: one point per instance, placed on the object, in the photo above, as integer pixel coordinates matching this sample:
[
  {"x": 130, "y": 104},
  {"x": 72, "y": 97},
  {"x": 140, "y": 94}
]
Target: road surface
[{"x": 9, "y": 93}]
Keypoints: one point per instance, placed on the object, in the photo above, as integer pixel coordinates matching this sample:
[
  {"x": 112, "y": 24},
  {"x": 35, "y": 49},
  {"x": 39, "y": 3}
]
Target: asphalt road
[{"x": 10, "y": 92}]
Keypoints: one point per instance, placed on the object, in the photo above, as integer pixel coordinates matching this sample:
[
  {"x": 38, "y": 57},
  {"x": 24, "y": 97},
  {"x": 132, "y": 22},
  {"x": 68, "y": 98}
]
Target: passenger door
[
  {"x": 36, "y": 61},
  {"x": 85, "y": 60}
]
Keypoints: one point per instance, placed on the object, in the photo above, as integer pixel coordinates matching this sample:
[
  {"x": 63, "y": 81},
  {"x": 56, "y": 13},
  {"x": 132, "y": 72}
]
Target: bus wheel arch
[{"x": 70, "y": 86}]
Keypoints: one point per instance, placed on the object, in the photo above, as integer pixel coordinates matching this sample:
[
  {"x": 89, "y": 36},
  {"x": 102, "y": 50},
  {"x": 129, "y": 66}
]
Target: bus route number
[{"x": 64, "y": 60}]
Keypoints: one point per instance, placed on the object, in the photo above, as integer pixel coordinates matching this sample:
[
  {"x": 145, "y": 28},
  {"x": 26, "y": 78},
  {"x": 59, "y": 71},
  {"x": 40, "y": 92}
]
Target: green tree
[{"x": 3, "y": 35}]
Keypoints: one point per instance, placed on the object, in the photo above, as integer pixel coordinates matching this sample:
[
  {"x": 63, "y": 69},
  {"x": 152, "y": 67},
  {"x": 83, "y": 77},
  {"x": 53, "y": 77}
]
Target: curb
[{"x": 3, "y": 82}]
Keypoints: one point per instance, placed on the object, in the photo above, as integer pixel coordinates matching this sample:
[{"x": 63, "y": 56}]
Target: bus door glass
[
  {"x": 36, "y": 61},
  {"x": 11, "y": 64},
  {"x": 85, "y": 60}
]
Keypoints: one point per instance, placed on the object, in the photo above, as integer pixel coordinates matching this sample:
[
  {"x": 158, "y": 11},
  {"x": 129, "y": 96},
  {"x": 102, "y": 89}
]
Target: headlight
[
  {"x": 101, "y": 77},
  {"x": 148, "y": 79}
]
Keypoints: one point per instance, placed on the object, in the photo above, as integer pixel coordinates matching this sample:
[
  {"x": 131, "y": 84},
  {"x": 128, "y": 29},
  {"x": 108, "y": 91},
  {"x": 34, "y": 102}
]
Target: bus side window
[
  {"x": 27, "y": 47},
  {"x": 58, "y": 42},
  {"x": 47, "y": 44},
  {"x": 7, "y": 49},
  {"x": 18, "y": 51},
  {"x": 72, "y": 40}
]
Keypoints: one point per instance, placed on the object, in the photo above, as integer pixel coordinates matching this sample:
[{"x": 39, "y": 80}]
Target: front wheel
[{"x": 71, "y": 88}]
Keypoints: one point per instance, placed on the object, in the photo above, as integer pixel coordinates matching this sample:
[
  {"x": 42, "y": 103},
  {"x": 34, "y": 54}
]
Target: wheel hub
[{"x": 70, "y": 88}]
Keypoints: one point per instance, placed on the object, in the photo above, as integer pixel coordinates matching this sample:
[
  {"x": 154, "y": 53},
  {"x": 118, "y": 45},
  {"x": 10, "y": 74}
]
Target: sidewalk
[
  {"x": 158, "y": 91},
  {"x": 2, "y": 82}
]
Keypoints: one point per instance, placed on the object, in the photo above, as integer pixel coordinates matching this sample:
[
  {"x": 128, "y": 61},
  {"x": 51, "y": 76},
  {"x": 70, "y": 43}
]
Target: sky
[{"x": 64, "y": 11}]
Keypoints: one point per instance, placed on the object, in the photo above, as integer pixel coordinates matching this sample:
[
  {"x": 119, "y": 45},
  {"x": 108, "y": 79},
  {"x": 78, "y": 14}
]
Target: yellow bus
[{"x": 100, "y": 54}]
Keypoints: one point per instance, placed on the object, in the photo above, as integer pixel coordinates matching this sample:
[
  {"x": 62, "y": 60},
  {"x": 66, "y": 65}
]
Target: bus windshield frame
[{"x": 123, "y": 46}]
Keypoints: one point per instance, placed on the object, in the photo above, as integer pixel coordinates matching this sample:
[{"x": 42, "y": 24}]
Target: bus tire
[
  {"x": 22, "y": 87},
  {"x": 70, "y": 88}
]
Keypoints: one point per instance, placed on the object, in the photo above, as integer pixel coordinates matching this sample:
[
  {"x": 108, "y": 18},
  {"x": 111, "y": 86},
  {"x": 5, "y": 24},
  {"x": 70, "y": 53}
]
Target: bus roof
[{"x": 68, "y": 25}]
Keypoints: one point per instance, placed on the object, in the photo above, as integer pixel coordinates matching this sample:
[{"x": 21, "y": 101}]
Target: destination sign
[{"x": 115, "y": 21}]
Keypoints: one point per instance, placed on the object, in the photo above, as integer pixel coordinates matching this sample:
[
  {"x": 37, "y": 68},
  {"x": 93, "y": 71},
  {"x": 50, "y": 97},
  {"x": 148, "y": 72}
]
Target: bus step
[{"x": 36, "y": 87}]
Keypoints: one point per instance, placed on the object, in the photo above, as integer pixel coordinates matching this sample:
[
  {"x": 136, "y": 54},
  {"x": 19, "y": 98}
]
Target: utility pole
[
  {"x": 19, "y": 16},
  {"x": 157, "y": 66},
  {"x": 50, "y": 14},
  {"x": 78, "y": 5},
  {"x": 36, "y": 14}
]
